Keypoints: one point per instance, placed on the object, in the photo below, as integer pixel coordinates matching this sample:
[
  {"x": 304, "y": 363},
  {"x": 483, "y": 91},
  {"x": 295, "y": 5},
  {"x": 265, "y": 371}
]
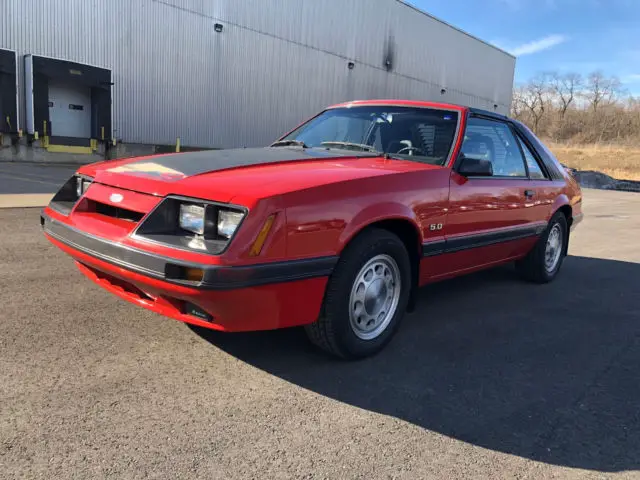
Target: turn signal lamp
[
  {"x": 256, "y": 248},
  {"x": 194, "y": 274}
]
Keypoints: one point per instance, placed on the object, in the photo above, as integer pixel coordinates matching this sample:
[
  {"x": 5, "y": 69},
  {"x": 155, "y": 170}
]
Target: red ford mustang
[{"x": 334, "y": 226}]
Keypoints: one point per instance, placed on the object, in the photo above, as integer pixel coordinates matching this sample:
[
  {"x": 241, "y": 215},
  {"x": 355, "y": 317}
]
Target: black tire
[
  {"x": 533, "y": 267},
  {"x": 332, "y": 331}
]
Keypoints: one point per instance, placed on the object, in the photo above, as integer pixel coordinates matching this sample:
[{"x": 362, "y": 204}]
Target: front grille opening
[
  {"x": 125, "y": 286},
  {"x": 115, "y": 212}
]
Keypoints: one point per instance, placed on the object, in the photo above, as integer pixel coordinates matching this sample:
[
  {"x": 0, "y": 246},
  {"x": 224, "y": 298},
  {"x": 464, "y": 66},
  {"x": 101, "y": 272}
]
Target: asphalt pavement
[
  {"x": 491, "y": 377},
  {"x": 29, "y": 178},
  {"x": 31, "y": 184}
]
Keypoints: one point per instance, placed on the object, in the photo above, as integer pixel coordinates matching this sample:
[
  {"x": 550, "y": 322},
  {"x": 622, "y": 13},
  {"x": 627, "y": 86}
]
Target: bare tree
[
  {"x": 527, "y": 98},
  {"x": 531, "y": 99},
  {"x": 539, "y": 86},
  {"x": 601, "y": 89},
  {"x": 566, "y": 108},
  {"x": 517, "y": 105},
  {"x": 565, "y": 88}
]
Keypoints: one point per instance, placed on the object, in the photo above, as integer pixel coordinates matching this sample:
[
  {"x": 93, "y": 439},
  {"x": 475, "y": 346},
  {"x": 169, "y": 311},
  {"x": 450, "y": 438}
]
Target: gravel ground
[{"x": 489, "y": 378}]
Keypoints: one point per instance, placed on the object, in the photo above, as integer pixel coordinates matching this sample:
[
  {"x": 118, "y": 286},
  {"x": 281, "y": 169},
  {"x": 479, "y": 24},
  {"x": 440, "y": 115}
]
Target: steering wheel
[{"x": 411, "y": 150}]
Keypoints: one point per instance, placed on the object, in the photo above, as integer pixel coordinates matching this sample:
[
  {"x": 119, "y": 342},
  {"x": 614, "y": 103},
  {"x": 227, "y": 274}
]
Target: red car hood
[{"x": 249, "y": 172}]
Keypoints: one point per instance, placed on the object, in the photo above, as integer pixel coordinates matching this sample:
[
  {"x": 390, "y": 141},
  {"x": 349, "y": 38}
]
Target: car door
[
  {"x": 489, "y": 218},
  {"x": 544, "y": 189}
]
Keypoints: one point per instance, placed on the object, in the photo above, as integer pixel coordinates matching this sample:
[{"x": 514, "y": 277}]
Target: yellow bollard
[
  {"x": 178, "y": 145},
  {"x": 45, "y": 137}
]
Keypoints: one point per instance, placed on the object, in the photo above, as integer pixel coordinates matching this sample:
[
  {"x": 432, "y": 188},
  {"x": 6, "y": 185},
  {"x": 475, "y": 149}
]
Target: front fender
[
  {"x": 322, "y": 221},
  {"x": 377, "y": 213},
  {"x": 325, "y": 229}
]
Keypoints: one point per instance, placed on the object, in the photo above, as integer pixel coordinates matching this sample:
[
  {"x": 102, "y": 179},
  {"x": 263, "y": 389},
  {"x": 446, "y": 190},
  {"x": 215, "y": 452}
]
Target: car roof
[
  {"x": 424, "y": 104},
  {"x": 402, "y": 103},
  {"x": 488, "y": 113}
]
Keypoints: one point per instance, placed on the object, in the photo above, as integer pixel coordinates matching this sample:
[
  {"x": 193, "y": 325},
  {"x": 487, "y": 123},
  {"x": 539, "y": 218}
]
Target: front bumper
[
  {"x": 240, "y": 298},
  {"x": 216, "y": 277}
]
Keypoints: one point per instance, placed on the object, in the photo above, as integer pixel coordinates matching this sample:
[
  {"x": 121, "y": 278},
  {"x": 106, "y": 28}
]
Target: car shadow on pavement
[{"x": 548, "y": 373}]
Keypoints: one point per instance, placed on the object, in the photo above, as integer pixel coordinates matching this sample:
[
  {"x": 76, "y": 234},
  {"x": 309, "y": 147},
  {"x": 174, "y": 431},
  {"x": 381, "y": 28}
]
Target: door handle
[{"x": 529, "y": 193}]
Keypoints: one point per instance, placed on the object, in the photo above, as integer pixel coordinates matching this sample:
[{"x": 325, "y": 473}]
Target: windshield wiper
[
  {"x": 286, "y": 143},
  {"x": 361, "y": 146}
]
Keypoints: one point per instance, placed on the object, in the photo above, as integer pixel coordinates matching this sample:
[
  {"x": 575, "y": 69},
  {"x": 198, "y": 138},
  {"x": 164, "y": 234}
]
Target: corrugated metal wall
[{"x": 275, "y": 63}]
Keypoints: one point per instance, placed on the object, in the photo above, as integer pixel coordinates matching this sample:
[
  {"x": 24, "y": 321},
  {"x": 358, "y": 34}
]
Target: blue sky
[{"x": 554, "y": 35}]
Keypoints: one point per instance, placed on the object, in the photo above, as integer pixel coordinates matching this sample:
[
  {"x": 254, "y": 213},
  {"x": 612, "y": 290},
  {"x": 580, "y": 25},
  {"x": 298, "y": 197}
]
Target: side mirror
[{"x": 475, "y": 167}]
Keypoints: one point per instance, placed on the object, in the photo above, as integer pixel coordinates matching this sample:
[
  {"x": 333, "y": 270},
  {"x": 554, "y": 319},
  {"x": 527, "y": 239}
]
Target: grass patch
[{"x": 620, "y": 162}]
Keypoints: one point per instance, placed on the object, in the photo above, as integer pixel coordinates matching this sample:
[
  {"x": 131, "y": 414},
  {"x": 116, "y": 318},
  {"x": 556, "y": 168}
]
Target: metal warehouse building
[{"x": 224, "y": 73}]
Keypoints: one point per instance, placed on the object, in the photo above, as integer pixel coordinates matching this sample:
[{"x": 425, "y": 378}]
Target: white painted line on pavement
[
  {"x": 24, "y": 179},
  {"x": 45, "y": 176}
]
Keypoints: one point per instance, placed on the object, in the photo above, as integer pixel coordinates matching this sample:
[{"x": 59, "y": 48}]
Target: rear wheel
[
  {"x": 543, "y": 262},
  {"x": 366, "y": 296}
]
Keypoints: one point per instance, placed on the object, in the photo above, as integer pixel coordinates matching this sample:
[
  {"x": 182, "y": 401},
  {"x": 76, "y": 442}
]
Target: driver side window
[{"x": 493, "y": 141}]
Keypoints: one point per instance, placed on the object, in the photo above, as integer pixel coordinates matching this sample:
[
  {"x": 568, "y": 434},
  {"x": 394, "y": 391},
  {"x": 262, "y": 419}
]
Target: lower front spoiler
[{"x": 260, "y": 307}]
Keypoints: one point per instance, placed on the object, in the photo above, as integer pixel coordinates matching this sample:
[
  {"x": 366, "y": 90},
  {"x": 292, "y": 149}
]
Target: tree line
[{"x": 571, "y": 108}]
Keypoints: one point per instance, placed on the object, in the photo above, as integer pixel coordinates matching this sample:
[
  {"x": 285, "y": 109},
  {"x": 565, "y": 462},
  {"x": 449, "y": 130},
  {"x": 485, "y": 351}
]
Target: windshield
[{"x": 419, "y": 134}]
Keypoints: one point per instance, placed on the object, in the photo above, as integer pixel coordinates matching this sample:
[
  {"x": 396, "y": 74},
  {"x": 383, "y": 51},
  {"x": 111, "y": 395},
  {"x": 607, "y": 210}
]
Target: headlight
[
  {"x": 192, "y": 224},
  {"x": 192, "y": 218},
  {"x": 212, "y": 221},
  {"x": 228, "y": 221}
]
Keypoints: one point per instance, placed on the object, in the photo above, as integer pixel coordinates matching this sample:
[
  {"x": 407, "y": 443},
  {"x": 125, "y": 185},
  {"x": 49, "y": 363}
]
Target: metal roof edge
[{"x": 413, "y": 7}]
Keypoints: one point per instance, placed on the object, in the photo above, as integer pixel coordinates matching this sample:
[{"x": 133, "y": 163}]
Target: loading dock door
[
  {"x": 71, "y": 100},
  {"x": 69, "y": 110},
  {"x": 8, "y": 92}
]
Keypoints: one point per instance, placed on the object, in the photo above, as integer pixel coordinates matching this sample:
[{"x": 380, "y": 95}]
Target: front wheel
[
  {"x": 543, "y": 262},
  {"x": 366, "y": 296}
]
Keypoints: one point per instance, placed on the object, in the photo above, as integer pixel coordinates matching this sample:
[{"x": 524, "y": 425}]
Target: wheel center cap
[{"x": 375, "y": 296}]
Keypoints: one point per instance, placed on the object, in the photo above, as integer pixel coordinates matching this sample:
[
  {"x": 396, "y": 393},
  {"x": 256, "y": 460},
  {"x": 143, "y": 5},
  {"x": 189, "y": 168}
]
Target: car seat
[{"x": 479, "y": 146}]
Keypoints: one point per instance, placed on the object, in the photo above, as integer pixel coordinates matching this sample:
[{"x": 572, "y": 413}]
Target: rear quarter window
[
  {"x": 535, "y": 170},
  {"x": 550, "y": 161}
]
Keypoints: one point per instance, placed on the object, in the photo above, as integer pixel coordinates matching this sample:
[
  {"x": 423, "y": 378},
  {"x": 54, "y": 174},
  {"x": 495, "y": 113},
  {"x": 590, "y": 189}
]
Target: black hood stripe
[{"x": 179, "y": 166}]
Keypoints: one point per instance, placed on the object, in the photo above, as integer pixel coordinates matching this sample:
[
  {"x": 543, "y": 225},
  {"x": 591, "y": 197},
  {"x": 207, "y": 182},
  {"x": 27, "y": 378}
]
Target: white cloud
[
  {"x": 523, "y": 4},
  {"x": 513, "y": 4},
  {"x": 536, "y": 46},
  {"x": 633, "y": 78},
  {"x": 516, "y": 5}
]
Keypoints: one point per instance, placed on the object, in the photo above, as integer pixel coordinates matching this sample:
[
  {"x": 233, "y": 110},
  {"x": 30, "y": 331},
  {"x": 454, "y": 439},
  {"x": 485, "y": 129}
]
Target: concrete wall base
[
  {"x": 24, "y": 153},
  {"x": 126, "y": 150},
  {"x": 35, "y": 153}
]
